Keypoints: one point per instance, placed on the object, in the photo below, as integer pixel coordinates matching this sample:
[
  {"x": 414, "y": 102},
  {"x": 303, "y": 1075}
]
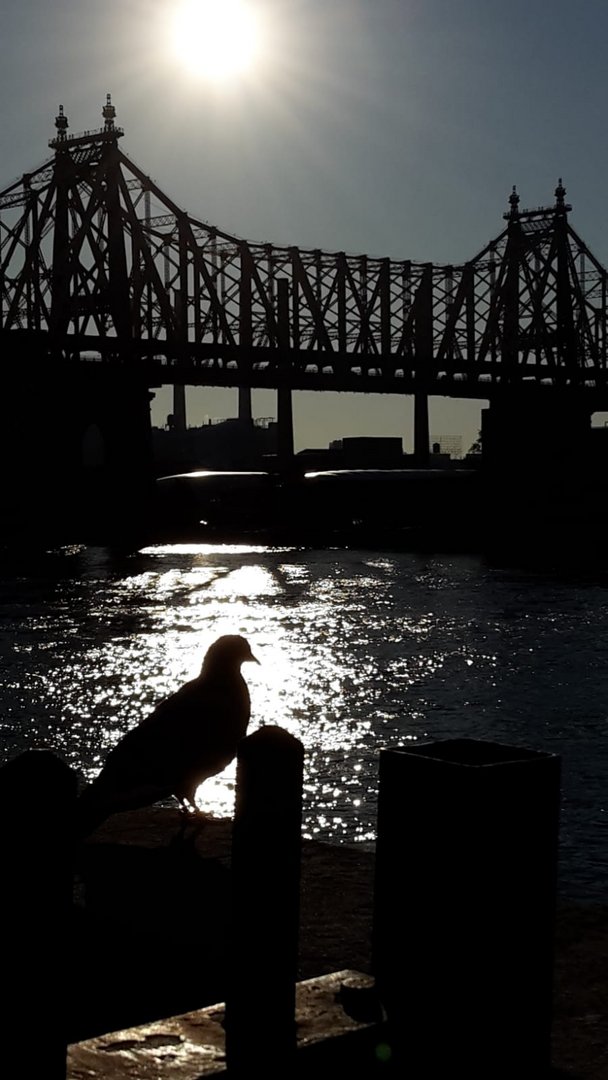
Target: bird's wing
[{"x": 197, "y": 728}]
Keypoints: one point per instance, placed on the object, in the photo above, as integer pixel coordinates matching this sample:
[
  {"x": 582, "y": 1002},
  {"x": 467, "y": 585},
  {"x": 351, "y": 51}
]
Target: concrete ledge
[{"x": 192, "y": 1046}]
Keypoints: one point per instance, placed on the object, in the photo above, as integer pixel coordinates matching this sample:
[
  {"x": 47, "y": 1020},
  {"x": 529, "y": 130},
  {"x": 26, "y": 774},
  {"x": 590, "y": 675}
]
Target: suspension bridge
[{"x": 108, "y": 288}]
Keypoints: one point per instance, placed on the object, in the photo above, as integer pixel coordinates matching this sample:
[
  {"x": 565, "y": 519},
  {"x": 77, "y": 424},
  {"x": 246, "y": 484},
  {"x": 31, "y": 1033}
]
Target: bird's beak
[{"x": 254, "y": 658}]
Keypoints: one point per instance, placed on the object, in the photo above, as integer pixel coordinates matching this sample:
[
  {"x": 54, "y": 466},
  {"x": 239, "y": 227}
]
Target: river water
[{"x": 359, "y": 650}]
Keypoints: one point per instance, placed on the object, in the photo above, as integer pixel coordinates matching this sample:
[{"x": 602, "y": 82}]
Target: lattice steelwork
[{"x": 97, "y": 263}]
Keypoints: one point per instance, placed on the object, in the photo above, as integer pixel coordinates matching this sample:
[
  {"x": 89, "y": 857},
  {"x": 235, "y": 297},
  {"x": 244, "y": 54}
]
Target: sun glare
[{"x": 216, "y": 39}]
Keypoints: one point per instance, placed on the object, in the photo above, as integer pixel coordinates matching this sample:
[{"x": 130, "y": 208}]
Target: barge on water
[{"x": 338, "y": 506}]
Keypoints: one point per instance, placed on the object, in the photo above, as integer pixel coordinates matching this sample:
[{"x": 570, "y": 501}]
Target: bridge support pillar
[
  {"x": 285, "y": 428},
  {"x": 535, "y": 453},
  {"x": 245, "y": 410},
  {"x": 284, "y": 402},
  {"x": 76, "y": 449},
  {"x": 421, "y": 428},
  {"x": 179, "y": 407}
]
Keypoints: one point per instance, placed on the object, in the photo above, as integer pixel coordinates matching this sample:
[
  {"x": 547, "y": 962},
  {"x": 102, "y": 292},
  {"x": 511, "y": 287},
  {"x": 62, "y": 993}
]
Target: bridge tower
[
  {"x": 535, "y": 438},
  {"x": 78, "y": 435}
]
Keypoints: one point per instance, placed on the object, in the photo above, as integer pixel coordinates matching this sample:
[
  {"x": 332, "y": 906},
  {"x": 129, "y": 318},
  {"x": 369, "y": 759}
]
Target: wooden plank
[{"x": 192, "y": 1046}]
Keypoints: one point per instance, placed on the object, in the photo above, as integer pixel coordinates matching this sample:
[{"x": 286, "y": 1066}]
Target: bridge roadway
[{"x": 151, "y": 364}]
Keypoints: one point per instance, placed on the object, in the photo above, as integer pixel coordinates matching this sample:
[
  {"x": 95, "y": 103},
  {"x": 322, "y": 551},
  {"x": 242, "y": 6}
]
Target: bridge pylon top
[
  {"x": 109, "y": 114},
  {"x": 513, "y": 212},
  {"x": 560, "y": 207},
  {"x": 108, "y": 133},
  {"x": 560, "y": 198},
  {"x": 61, "y": 123}
]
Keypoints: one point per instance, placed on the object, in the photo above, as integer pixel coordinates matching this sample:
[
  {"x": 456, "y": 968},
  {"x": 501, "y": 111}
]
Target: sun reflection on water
[
  {"x": 348, "y": 661},
  {"x": 302, "y": 626},
  {"x": 358, "y": 650}
]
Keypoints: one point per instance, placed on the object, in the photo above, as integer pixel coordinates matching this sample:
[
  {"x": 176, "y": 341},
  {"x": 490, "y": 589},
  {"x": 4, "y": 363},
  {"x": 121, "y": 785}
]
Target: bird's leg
[
  {"x": 180, "y": 837},
  {"x": 190, "y": 815}
]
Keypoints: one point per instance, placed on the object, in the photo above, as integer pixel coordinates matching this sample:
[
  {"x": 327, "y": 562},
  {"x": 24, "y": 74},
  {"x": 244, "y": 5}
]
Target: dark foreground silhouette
[
  {"x": 149, "y": 903},
  {"x": 190, "y": 736}
]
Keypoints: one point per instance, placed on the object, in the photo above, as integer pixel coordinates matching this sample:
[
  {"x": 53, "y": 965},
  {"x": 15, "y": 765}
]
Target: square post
[{"x": 464, "y": 907}]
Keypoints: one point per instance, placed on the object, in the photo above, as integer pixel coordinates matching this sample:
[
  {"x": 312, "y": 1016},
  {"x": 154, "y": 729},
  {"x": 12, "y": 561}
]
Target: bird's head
[{"x": 228, "y": 653}]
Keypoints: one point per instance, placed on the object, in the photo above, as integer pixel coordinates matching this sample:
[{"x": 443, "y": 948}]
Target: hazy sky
[{"x": 392, "y": 127}]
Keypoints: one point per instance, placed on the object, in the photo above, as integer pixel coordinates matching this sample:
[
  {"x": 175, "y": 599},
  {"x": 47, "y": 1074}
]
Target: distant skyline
[
  {"x": 320, "y": 417},
  {"x": 391, "y": 127}
]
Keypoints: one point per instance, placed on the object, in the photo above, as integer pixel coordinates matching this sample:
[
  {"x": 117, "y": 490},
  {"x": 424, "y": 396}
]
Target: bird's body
[{"x": 191, "y": 735}]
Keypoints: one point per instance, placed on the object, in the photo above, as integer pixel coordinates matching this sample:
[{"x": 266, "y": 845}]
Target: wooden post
[
  {"x": 37, "y": 799},
  {"x": 466, "y": 865},
  {"x": 266, "y": 850}
]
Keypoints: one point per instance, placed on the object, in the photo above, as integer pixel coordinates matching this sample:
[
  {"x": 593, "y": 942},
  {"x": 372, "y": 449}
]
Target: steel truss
[{"x": 96, "y": 262}]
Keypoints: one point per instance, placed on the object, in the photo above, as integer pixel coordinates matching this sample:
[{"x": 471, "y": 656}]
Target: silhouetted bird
[{"x": 190, "y": 736}]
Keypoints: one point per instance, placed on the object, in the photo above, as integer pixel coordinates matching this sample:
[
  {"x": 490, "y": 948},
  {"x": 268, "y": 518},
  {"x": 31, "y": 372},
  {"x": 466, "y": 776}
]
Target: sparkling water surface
[{"x": 358, "y": 651}]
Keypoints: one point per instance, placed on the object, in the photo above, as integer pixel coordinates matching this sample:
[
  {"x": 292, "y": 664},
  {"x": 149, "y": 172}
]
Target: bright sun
[{"x": 216, "y": 38}]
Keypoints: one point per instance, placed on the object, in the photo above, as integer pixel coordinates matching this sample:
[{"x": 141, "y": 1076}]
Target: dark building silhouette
[
  {"x": 225, "y": 444},
  {"x": 369, "y": 452}
]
